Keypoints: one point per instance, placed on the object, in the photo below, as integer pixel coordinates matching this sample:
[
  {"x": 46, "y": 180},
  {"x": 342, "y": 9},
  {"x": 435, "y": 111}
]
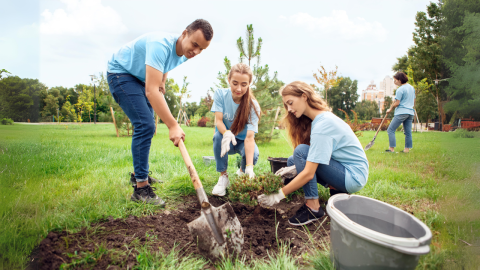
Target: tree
[
  {"x": 5, "y": 72},
  {"x": 20, "y": 98},
  {"x": 205, "y": 104},
  {"x": 343, "y": 96},
  {"x": 367, "y": 109},
  {"x": 51, "y": 107},
  {"x": 171, "y": 88},
  {"x": 463, "y": 87},
  {"x": 327, "y": 79},
  {"x": 85, "y": 104},
  {"x": 264, "y": 87},
  {"x": 183, "y": 92},
  {"x": 425, "y": 57}
]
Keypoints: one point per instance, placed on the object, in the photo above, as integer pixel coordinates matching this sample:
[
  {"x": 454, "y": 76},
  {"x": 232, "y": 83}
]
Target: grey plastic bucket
[
  {"x": 207, "y": 160},
  {"x": 369, "y": 234}
]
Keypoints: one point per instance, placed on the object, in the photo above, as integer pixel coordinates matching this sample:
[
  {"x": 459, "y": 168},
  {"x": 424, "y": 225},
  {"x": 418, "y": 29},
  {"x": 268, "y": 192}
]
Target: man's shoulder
[{"x": 167, "y": 39}]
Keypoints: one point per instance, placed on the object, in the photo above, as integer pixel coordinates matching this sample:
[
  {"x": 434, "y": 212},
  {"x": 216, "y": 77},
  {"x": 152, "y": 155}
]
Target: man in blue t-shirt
[
  {"x": 136, "y": 76},
  {"x": 404, "y": 112}
]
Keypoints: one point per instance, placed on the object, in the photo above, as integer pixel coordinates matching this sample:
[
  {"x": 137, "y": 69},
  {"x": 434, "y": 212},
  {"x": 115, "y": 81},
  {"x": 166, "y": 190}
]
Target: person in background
[
  {"x": 404, "y": 112},
  {"x": 237, "y": 114},
  {"x": 326, "y": 152}
]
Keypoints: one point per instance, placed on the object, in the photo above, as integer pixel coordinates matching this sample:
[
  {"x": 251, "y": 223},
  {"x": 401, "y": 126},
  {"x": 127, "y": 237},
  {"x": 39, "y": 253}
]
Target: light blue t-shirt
[
  {"x": 332, "y": 138},
  {"x": 154, "y": 49},
  {"x": 406, "y": 95},
  {"x": 223, "y": 102}
]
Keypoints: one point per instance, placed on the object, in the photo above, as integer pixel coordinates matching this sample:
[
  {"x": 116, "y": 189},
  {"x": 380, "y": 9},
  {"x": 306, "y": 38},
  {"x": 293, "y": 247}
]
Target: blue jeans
[
  {"x": 129, "y": 93},
  {"x": 407, "y": 120},
  {"x": 332, "y": 174},
  {"x": 222, "y": 162}
]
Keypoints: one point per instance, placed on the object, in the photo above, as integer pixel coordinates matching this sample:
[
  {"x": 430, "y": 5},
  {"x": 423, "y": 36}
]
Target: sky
[{"x": 62, "y": 42}]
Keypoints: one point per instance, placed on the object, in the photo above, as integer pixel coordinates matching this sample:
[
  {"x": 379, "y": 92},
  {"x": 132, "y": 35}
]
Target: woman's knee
[{"x": 301, "y": 151}]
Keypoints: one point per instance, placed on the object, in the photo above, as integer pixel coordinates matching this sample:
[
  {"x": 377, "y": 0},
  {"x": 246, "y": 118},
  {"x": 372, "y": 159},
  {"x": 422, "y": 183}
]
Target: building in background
[
  {"x": 388, "y": 86},
  {"x": 372, "y": 93}
]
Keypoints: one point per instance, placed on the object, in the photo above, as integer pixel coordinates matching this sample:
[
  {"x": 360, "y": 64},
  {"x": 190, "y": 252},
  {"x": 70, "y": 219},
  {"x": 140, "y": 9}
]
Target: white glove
[
  {"x": 271, "y": 200},
  {"x": 249, "y": 171},
  {"x": 228, "y": 138},
  {"x": 287, "y": 172}
]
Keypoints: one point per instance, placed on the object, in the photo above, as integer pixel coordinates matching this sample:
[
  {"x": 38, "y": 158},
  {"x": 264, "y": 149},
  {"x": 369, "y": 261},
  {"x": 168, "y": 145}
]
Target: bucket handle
[{"x": 421, "y": 250}]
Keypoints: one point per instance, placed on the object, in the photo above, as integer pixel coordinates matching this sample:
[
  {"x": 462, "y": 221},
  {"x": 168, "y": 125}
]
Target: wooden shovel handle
[
  {"x": 188, "y": 162},
  {"x": 379, "y": 127}
]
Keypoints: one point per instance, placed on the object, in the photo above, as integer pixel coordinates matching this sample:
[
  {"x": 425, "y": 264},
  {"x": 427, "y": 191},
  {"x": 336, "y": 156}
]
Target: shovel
[
  {"x": 217, "y": 231},
  {"x": 370, "y": 144}
]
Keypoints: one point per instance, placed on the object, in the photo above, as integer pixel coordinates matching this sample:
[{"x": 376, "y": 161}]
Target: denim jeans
[
  {"x": 407, "y": 120},
  {"x": 332, "y": 174},
  {"x": 222, "y": 162},
  {"x": 129, "y": 93}
]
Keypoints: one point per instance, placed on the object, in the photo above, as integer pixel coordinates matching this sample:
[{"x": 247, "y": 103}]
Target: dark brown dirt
[{"x": 121, "y": 237}]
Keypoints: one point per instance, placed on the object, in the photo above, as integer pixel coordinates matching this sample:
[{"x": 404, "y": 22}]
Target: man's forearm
[{"x": 160, "y": 106}]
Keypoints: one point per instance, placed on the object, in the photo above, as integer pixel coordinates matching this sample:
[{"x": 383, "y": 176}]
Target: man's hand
[
  {"x": 161, "y": 89},
  {"x": 249, "y": 171},
  {"x": 271, "y": 200},
  {"x": 176, "y": 134},
  {"x": 228, "y": 138},
  {"x": 389, "y": 110},
  {"x": 287, "y": 172}
]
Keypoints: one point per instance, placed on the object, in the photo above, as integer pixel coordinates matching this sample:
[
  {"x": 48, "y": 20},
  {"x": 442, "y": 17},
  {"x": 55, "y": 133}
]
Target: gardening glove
[
  {"x": 287, "y": 172},
  {"x": 249, "y": 171},
  {"x": 228, "y": 138},
  {"x": 272, "y": 199}
]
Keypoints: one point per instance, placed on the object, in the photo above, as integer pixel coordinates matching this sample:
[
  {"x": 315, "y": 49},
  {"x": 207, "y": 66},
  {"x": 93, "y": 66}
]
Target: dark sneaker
[
  {"x": 153, "y": 180},
  {"x": 146, "y": 194},
  {"x": 133, "y": 180},
  {"x": 304, "y": 216}
]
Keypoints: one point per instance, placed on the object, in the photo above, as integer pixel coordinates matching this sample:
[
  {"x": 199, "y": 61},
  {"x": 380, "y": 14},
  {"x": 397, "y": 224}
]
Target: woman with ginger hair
[
  {"x": 326, "y": 152},
  {"x": 237, "y": 114}
]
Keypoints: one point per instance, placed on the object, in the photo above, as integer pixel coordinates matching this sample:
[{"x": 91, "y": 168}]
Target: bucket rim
[{"x": 370, "y": 234}]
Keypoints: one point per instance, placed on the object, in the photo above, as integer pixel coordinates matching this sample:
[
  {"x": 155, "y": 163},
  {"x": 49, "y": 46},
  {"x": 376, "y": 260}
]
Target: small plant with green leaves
[
  {"x": 246, "y": 190},
  {"x": 463, "y": 133},
  {"x": 7, "y": 121}
]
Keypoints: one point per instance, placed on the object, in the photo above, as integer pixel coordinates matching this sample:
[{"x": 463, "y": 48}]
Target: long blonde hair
[
  {"x": 298, "y": 129},
  {"x": 242, "y": 115}
]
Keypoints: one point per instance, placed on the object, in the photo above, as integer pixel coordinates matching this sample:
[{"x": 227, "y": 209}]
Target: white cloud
[
  {"x": 339, "y": 24},
  {"x": 81, "y": 17}
]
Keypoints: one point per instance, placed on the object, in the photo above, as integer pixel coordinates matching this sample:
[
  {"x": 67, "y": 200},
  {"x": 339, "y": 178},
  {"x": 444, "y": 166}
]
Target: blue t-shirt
[
  {"x": 406, "y": 95},
  {"x": 223, "y": 102},
  {"x": 154, "y": 49},
  {"x": 332, "y": 138}
]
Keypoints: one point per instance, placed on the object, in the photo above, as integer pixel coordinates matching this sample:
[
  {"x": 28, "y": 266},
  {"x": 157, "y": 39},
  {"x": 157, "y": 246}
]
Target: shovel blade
[
  {"x": 228, "y": 224},
  {"x": 370, "y": 144}
]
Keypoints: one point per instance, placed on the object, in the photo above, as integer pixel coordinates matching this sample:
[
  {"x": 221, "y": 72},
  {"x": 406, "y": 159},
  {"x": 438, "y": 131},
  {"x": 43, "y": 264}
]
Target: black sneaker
[
  {"x": 133, "y": 180},
  {"x": 146, "y": 194},
  {"x": 304, "y": 216}
]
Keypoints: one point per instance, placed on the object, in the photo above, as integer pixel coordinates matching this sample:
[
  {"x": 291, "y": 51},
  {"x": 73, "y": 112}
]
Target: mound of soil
[{"x": 261, "y": 228}]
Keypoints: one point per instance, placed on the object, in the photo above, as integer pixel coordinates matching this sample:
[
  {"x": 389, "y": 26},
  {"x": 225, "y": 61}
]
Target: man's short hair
[
  {"x": 203, "y": 25},
  {"x": 402, "y": 77}
]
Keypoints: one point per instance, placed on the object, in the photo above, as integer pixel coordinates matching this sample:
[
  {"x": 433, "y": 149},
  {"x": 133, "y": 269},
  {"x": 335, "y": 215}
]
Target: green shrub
[
  {"x": 463, "y": 133},
  {"x": 194, "y": 120},
  {"x": 399, "y": 128},
  {"x": 7, "y": 121},
  {"x": 246, "y": 190},
  {"x": 211, "y": 119}
]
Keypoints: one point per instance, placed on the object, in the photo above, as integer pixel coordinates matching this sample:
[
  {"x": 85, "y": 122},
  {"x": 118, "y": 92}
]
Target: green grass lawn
[{"x": 66, "y": 177}]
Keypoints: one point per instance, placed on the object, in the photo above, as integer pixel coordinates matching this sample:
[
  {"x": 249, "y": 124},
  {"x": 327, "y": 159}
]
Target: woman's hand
[
  {"x": 271, "y": 200},
  {"x": 228, "y": 138},
  {"x": 287, "y": 172},
  {"x": 249, "y": 171}
]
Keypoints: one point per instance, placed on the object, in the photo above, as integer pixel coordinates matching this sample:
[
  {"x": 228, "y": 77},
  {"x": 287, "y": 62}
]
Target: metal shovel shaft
[{"x": 374, "y": 137}]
